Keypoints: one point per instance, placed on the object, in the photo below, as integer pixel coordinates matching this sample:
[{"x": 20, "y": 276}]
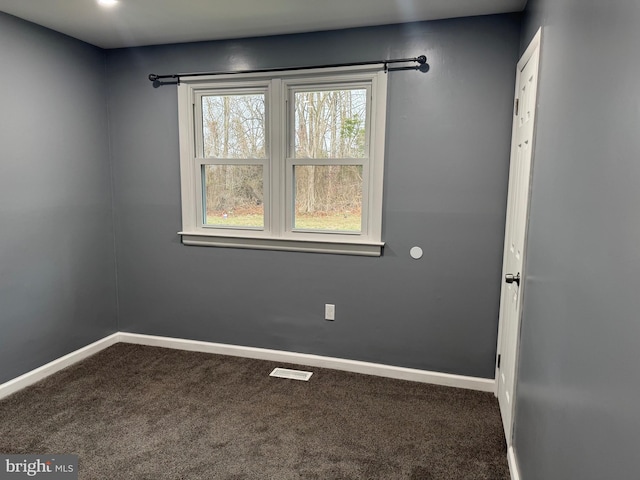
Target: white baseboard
[
  {"x": 50, "y": 368},
  {"x": 355, "y": 366},
  {"x": 513, "y": 464}
]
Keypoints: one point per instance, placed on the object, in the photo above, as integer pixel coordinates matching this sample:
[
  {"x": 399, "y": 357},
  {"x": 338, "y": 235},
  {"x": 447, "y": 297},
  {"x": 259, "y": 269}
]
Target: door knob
[{"x": 511, "y": 278}]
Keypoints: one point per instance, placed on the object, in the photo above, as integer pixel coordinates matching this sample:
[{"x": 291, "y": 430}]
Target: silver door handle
[{"x": 511, "y": 278}]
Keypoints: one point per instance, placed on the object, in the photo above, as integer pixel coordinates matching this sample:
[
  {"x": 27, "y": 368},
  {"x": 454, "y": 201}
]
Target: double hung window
[{"x": 292, "y": 161}]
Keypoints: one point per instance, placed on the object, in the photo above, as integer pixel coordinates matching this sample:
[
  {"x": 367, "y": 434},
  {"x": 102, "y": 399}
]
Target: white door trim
[{"x": 532, "y": 50}]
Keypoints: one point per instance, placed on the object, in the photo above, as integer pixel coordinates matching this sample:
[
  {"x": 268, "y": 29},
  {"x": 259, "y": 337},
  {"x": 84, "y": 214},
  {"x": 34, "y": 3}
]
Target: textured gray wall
[
  {"x": 57, "y": 267},
  {"x": 577, "y": 414},
  {"x": 445, "y": 188}
]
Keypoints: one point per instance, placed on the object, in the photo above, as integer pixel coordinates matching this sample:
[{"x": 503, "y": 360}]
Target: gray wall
[
  {"x": 577, "y": 414},
  {"x": 57, "y": 268},
  {"x": 445, "y": 189}
]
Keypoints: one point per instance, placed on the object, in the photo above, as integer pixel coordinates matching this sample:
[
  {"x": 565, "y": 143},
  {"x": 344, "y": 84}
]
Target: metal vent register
[{"x": 292, "y": 374}]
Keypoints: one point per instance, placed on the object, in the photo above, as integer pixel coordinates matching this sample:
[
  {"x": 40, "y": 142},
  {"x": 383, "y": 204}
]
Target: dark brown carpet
[{"x": 133, "y": 412}]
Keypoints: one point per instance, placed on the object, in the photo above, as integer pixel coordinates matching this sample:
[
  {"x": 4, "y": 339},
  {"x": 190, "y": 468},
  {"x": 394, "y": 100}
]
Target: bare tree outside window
[
  {"x": 234, "y": 128},
  {"x": 329, "y": 124},
  {"x": 328, "y": 197},
  {"x": 233, "y": 195}
]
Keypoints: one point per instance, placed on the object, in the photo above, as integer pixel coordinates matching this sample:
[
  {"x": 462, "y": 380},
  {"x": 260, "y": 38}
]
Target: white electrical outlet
[{"x": 329, "y": 312}]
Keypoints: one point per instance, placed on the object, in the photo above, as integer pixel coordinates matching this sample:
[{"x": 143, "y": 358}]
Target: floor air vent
[{"x": 292, "y": 374}]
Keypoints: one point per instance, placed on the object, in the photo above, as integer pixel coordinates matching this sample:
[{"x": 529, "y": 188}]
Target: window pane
[
  {"x": 330, "y": 124},
  {"x": 328, "y": 197},
  {"x": 233, "y": 195},
  {"x": 233, "y": 126}
]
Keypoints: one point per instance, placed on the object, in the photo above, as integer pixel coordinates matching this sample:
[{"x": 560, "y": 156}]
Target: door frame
[{"x": 534, "y": 48}]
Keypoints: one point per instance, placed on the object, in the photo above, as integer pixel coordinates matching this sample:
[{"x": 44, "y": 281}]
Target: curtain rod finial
[
  {"x": 422, "y": 59},
  {"x": 153, "y": 77}
]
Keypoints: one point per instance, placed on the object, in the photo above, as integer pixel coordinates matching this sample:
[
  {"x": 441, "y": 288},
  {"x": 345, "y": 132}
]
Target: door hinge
[
  {"x": 499, "y": 357},
  {"x": 517, "y": 106}
]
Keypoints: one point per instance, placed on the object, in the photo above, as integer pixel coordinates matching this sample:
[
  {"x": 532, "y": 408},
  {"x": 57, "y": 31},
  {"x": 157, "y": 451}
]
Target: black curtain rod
[{"x": 421, "y": 60}]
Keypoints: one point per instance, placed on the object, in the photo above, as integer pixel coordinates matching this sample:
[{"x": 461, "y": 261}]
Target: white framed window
[{"x": 288, "y": 161}]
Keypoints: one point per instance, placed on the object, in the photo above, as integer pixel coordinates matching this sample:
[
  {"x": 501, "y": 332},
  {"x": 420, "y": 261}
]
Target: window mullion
[{"x": 276, "y": 154}]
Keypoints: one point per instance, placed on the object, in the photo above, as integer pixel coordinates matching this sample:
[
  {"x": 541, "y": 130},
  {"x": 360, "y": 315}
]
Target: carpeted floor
[{"x": 134, "y": 412}]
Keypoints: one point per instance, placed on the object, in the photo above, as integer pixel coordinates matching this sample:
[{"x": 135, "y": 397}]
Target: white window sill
[{"x": 338, "y": 247}]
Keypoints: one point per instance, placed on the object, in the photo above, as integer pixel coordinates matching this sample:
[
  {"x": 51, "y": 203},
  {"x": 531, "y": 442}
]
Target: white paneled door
[{"x": 516, "y": 230}]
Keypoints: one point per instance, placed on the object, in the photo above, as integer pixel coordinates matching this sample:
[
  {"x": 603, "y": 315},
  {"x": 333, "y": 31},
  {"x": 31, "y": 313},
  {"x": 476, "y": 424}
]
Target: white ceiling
[{"x": 150, "y": 22}]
